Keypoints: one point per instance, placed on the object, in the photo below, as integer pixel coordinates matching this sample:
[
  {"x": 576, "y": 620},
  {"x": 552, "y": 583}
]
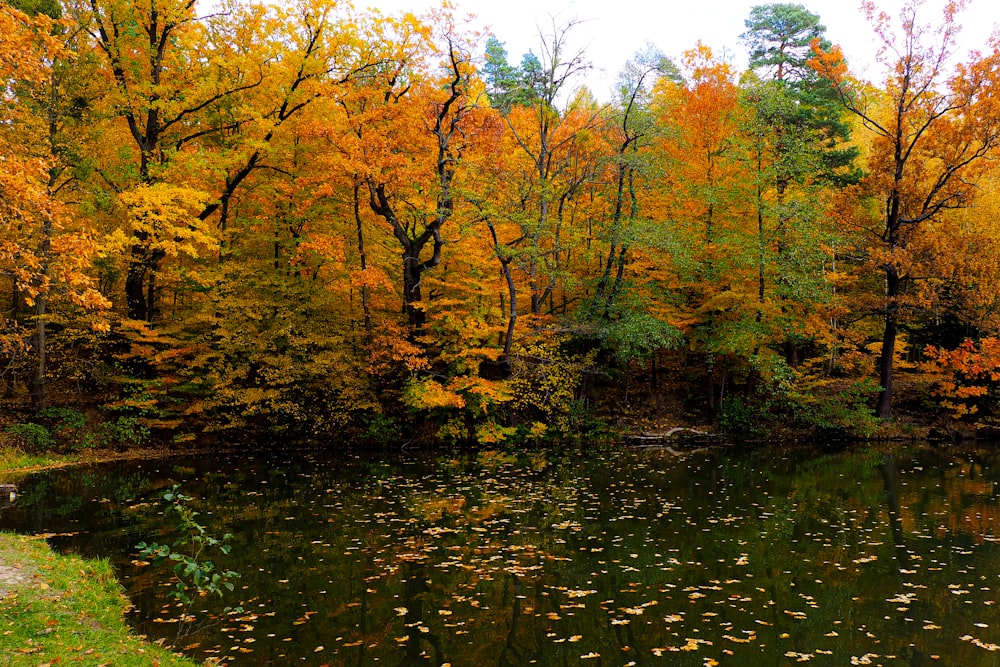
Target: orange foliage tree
[
  {"x": 43, "y": 250},
  {"x": 967, "y": 374},
  {"x": 932, "y": 133}
]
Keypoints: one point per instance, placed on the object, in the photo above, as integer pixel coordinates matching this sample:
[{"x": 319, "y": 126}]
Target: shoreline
[
  {"x": 56, "y": 608},
  {"x": 64, "y": 607},
  {"x": 11, "y": 468}
]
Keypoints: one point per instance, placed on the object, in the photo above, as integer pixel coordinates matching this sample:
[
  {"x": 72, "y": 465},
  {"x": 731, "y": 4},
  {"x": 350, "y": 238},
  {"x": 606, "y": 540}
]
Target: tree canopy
[{"x": 308, "y": 219}]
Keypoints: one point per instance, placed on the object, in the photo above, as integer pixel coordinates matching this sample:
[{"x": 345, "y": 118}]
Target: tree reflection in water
[{"x": 604, "y": 556}]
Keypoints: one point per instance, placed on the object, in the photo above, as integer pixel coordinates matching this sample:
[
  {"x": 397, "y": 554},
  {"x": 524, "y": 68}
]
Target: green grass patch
[
  {"x": 13, "y": 460},
  {"x": 66, "y": 610}
]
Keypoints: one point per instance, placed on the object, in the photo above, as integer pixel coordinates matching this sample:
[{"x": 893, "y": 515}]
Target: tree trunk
[
  {"x": 616, "y": 217},
  {"x": 619, "y": 276},
  {"x": 761, "y": 241},
  {"x": 39, "y": 393},
  {"x": 39, "y": 389},
  {"x": 363, "y": 259},
  {"x": 412, "y": 273},
  {"x": 508, "y": 340},
  {"x": 536, "y": 302},
  {"x": 135, "y": 295},
  {"x": 883, "y": 408},
  {"x": 140, "y": 282},
  {"x": 710, "y": 386}
]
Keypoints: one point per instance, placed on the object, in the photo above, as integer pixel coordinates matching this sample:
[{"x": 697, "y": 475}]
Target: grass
[
  {"x": 13, "y": 460},
  {"x": 66, "y": 610},
  {"x": 16, "y": 463},
  {"x": 63, "y": 609}
]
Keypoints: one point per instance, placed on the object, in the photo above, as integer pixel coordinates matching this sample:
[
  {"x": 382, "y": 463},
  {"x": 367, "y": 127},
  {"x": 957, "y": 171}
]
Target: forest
[{"x": 304, "y": 221}]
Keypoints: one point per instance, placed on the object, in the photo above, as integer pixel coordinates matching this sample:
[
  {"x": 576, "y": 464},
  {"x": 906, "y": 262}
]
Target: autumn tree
[
  {"x": 229, "y": 222},
  {"x": 398, "y": 135},
  {"x": 932, "y": 133},
  {"x": 25, "y": 204},
  {"x": 147, "y": 50},
  {"x": 549, "y": 140},
  {"x": 187, "y": 85},
  {"x": 629, "y": 319},
  {"x": 703, "y": 201},
  {"x": 964, "y": 299},
  {"x": 632, "y": 127},
  {"x": 417, "y": 229},
  {"x": 795, "y": 137},
  {"x": 41, "y": 115}
]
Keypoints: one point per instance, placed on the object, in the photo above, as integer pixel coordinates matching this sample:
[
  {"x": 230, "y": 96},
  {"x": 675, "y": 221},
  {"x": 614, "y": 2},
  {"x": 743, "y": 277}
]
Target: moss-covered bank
[{"x": 66, "y": 610}]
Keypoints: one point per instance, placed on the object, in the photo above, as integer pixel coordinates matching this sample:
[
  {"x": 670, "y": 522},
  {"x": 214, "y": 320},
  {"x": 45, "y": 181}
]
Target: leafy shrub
[
  {"x": 122, "y": 433},
  {"x": 192, "y": 574},
  {"x": 846, "y": 411},
  {"x": 544, "y": 383},
  {"x": 380, "y": 428},
  {"x": 834, "y": 409},
  {"x": 740, "y": 416},
  {"x": 64, "y": 418},
  {"x": 637, "y": 336},
  {"x": 31, "y": 437},
  {"x": 67, "y": 426},
  {"x": 126, "y": 432}
]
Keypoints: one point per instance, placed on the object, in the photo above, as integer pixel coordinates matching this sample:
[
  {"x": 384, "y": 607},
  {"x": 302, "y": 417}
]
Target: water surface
[{"x": 561, "y": 556}]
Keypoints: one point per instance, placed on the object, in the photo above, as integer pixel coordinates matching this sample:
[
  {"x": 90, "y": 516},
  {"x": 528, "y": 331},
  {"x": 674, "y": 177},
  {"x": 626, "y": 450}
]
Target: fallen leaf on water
[{"x": 980, "y": 643}]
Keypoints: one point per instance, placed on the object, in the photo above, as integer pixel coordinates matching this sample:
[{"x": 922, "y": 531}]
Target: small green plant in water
[{"x": 194, "y": 575}]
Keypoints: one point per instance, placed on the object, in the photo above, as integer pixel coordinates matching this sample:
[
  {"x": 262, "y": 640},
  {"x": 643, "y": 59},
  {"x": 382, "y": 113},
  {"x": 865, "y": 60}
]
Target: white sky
[{"x": 613, "y": 30}]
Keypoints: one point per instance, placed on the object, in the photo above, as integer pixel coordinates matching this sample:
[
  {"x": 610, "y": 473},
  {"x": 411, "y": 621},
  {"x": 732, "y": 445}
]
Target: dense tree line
[{"x": 305, "y": 219}]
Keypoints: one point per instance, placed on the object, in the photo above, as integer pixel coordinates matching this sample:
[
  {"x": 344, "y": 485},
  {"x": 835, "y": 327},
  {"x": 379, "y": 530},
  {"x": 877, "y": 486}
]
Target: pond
[{"x": 562, "y": 556}]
